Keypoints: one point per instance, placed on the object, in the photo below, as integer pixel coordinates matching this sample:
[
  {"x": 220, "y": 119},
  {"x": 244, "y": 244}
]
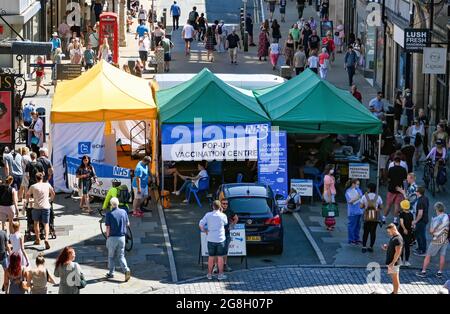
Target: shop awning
[
  {"x": 104, "y": 93},
  {"x": 307, "y": 104},
  {"x": 206, "y": 96}
]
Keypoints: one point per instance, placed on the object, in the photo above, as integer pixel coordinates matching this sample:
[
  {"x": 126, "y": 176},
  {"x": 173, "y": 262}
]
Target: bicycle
[
  {"x": 128, "y": 236},
  {"x": 428, "y": 177}
]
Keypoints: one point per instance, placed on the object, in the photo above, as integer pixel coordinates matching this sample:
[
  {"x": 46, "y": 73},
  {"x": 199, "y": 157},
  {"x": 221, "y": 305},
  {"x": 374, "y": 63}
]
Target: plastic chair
[
  {"x": 203, "y": 187},
  {"x": 215, "y": 169},
  {"x": 239, "y": 178}
]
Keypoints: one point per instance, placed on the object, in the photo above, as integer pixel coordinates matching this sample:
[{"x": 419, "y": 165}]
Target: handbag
[
  {"x": 83, "y": 282},
  {"x": 34, "y": 140}
]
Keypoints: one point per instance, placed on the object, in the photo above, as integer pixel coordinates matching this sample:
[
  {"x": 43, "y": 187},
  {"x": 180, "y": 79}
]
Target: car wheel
[{"x": 278, "y": 248}]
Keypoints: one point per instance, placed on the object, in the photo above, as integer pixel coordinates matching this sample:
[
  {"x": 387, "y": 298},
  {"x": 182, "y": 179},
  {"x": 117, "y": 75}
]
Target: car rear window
[{"x": 250, "y": 205}]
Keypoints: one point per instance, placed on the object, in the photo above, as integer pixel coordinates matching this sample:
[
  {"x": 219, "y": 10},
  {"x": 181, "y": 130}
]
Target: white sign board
[
  {"x": 238, "y": 244},
  {"x": 302, "y": 186},
  {"x": 359, "y": 171},
  {"x": 434, "y": 60},
  {"x": 399, "y": 36}
]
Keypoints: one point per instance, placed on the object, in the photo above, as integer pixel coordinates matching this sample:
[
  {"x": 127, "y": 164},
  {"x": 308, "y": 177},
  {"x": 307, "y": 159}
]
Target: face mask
[{"x": 357, "y": 186}]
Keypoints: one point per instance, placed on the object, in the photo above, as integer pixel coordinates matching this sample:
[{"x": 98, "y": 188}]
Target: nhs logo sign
[
  {"x": 121, "y": 172},
  {"x": 84, "y": 148}
]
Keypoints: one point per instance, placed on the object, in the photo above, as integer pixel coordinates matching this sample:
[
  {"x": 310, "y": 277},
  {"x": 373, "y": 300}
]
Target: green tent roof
[
  {"x": 206, "y": 96},
  {"x": 307, "y": 104}
]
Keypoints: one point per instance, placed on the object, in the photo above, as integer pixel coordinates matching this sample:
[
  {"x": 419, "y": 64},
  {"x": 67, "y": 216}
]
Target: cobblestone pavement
[{"x": 305, "y": 280}]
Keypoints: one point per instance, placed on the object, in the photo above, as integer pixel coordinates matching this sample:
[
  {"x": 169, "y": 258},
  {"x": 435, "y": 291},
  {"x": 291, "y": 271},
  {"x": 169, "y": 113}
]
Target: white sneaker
[
  {"x": 209, "y": 277},
  {"x": 222, "y": 277},
  {"x": 407, "y": 264},
  {"x": 185, "y": 201}
]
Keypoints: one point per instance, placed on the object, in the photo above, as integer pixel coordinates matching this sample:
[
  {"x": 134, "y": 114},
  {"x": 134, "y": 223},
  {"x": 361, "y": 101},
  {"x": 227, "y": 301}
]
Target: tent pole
[
  {"x": 378, "y": 164},
  {"x": 162, "y": 174}
]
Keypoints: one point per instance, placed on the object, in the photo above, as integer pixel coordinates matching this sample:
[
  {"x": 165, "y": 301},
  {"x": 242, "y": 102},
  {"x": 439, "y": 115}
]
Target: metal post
[
  {"x": 383, "y": 18},
  {"x": 245, "y": 34},
  {"x": 165, "y": 18},
  {"x": 431, "y": 9},
  {"x": 245, "y": 41},
  {"x": 378, "y": 164}
]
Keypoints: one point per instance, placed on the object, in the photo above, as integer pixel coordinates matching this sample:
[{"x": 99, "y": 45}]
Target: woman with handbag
[
  {"x": 72, "y": 279},
  {"x": 36, "y": 131},
  {"x": 86, "y": 176},
  {"x": 39, "y": 277},
  {"x": 14, "y": 280}
]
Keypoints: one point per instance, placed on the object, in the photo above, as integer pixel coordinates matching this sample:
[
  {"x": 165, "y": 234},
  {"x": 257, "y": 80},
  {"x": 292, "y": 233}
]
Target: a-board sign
[
  {"x": 238, "y": 244},
  {"x": 68, "y": 71},
  {"x": 303, "y": 187},
  {"x": 359, "y": 171}
]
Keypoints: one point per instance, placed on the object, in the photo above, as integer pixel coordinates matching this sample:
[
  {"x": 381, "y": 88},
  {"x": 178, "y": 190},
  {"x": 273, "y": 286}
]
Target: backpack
[
  {"x": 34, "y": 167},
  {"x": 370, "y": 214},
  {"x": 123, "y": 194},
  {"x": 441, "y": 177},
  {"x": 45, "y": 166},
  {"x": 291, "y": 202},
  {"x": 219, "y": 30},
  {"x": 192, "y": 16}
]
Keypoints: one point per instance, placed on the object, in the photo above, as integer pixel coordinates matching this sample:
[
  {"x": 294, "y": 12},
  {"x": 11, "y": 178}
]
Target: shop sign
[
  {"x": 374, "y": 16},
  {"x": 416, "y": 39},
  {"x": 7, "y": 113},
  {"x": 434, "y": 61}
]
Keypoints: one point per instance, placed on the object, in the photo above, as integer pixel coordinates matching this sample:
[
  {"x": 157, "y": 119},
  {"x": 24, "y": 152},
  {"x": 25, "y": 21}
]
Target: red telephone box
[{"x": 109, "y": 28}]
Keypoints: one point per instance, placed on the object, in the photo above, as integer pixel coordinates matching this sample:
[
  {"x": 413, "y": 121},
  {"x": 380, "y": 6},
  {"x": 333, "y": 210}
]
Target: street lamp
[{"x": 245, "y": 39}]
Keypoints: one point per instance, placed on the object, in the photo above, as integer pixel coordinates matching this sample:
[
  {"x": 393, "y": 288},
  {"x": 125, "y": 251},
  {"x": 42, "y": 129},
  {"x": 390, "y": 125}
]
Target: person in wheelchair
[
  {"x": 438, "y": 158},
  {"x": 121, "y": 192}
]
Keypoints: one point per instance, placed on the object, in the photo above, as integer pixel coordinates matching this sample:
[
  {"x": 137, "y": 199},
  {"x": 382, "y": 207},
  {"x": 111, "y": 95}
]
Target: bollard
[
  {"x": 164, "y": 17},
  {"x": 159, "y": 56},
  {"x": 286, "y": 72},
  {"x": 245, "y": 41}
]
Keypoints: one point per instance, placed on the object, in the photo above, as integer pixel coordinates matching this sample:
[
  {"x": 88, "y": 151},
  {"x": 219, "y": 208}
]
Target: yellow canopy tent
[{"x": 104, "y": 93}]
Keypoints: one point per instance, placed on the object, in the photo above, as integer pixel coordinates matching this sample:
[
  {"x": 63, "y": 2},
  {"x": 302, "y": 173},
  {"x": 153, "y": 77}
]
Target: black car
[{"x": 256, "y": 207}]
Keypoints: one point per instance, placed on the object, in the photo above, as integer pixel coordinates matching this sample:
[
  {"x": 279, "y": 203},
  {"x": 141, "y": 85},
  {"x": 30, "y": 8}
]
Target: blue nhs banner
[
  {"x": 272, "y": 162},
  {"x": 105, "y": 174},
  {"x": 192, "y": 142}
]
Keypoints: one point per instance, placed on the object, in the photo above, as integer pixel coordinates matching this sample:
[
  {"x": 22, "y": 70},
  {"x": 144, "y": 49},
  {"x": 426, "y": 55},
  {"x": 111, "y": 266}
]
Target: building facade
[{"x": 388, "y": 66}]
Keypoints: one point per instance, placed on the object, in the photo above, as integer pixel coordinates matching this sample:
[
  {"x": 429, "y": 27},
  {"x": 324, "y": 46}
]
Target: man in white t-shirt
[
  {"x": 213, "y": 224},
  {"x": 142, "y": 14},
  {"x": 188, "y": 34}
]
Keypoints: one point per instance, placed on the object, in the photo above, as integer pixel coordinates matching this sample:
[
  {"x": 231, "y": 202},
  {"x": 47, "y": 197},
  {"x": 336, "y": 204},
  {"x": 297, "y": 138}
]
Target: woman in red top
[
  {"x": 40, "y": 75},
  {"x": 328, "y": 42}
]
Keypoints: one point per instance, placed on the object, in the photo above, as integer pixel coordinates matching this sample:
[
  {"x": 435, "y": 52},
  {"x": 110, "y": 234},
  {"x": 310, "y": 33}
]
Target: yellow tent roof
[{"x": 104, "y": 93}]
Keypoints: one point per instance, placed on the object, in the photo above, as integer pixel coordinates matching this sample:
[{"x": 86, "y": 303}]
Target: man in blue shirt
[
  {"x": 116, "y": 222},
  {"x": 56, "y": 42},
  {"x": 140, "y": 185},
  {"x": 350, "y": 62},
  {"x": 141, "y": 30},
  {"x": 377, "y": 103},
  {"x": 175, "y": 11}
]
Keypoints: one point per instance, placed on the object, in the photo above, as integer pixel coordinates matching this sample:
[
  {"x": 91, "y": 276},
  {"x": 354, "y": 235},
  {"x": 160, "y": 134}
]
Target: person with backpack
[
  {"x": 121, "y": 192},
  {"x": 372, "y": 205},
  {"x": 293, "y": 201},
  {"x": 353, "y": 196},
  {"x": 46, "y": 164},
  {"x": 193, "y": 17},
  {"x": 406, "y": 230},
  {"x": 439, "y": 230}
]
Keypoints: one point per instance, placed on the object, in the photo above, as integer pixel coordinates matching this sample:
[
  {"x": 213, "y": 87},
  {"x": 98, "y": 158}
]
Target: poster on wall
[
  {"x": 272, "y": 162},
  {"x": 6, "y": 117},
  {"x": 196, "y": 142},
  {"x": 105, "y": 174}
]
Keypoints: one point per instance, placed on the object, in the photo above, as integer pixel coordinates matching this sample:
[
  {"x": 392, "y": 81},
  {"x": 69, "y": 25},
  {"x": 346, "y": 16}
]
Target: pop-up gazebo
[{"x": 84, "y": 109}]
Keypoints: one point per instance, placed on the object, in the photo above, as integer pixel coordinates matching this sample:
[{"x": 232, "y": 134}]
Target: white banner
[
  {"x": 238, "y": 244},
  {"x": 359, "y": 171},
  {"x": 434, "y": 60},
  {"x": 303, "y": 187},
  {"x": 75, "y": 139}
]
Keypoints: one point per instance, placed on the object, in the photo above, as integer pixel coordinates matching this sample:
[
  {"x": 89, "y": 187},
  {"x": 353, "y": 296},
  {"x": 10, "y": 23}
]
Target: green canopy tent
[
  {"x": 206, "y": 96},
  {"x": 307, "y": 104}
]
